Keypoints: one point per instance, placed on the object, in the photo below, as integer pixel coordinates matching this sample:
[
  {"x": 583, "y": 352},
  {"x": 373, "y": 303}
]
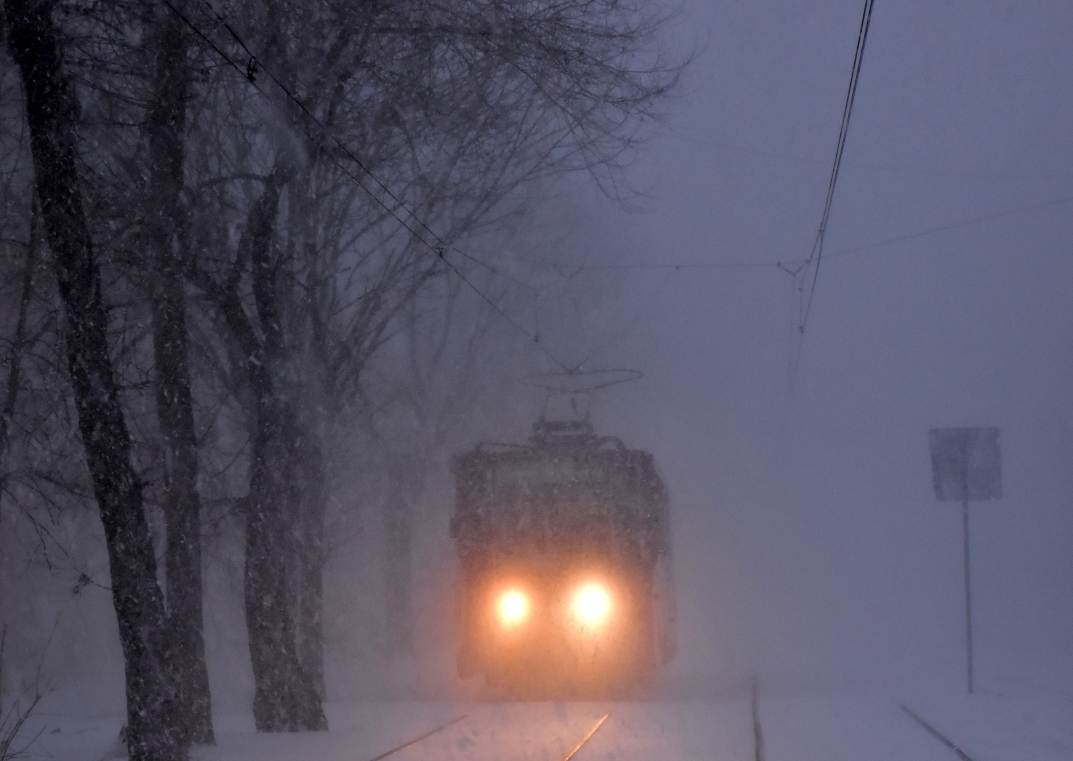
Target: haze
[{"x": 810, "y": 551}]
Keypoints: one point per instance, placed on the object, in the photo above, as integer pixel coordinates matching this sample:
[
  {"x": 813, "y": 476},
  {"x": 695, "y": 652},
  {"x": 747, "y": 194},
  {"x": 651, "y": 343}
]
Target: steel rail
[
  {"x": 758, "y": 730},
  {"x": 586, "y": 738},
  {"x": 936, "y": 734},
  {"x": 418, "y": 739}
]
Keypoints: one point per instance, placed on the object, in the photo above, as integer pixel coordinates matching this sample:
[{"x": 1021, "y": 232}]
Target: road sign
[{"x": 965, "y": 465}]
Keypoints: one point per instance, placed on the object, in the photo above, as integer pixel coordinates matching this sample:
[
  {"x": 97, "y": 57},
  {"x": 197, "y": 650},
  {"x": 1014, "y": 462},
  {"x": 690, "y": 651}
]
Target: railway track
[
  {"x": 416, "y": 740},
  {"x": 586, "y": 738},
  {"x": 436, "y": 730},
  {"x": 528, "y": 733},
  {"x": 935, "y": 733}
]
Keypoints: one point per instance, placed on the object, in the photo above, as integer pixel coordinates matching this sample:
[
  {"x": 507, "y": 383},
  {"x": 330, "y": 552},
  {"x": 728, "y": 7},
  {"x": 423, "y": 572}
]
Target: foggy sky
[{"x": 809, "y": 542}]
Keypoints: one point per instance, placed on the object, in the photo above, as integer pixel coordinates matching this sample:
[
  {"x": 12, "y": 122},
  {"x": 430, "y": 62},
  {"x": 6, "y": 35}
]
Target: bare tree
[
  {"x": 14, "y": 715},
  {"x": 18, "y": 341},
  {"x": 41, "y": 470},
  {"x": 165, "y": 128},
  {"x": 315, "y": 199},
  {"x": 286, "y": 698},
  {"x": 129, "y": 63},
  {"x": 391, "y": 133},
  {"x": 154, "y": 728},
  {"x": 433, "y": 375}
]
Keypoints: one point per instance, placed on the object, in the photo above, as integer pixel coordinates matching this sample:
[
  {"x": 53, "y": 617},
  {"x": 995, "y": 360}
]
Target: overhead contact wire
[
  {"x": 800, "y": 274},
  {"x": 843, "y": 133}
]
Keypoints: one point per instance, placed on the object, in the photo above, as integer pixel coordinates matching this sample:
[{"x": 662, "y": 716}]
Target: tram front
[{"x": 559, "y": 542}]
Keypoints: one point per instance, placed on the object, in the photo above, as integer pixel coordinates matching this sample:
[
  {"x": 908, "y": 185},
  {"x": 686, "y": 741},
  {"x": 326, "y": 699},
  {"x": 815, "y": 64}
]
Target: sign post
[{"x": 965, "y": 464}]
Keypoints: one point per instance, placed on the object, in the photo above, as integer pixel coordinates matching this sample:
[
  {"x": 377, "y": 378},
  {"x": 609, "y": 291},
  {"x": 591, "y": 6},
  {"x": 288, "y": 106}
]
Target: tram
[{"x": 564, "y": 544}]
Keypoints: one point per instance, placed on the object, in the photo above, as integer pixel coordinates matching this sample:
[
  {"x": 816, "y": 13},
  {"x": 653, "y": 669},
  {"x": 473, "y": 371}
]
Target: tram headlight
[
  {"x": 512, "y": 607},
  {"x": 591, "y": 604}
]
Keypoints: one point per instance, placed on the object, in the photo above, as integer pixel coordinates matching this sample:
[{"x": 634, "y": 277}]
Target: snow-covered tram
[{"x": 565, "y": 550}]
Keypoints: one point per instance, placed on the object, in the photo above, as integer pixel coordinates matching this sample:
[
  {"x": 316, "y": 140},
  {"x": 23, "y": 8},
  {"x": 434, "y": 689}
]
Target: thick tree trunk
[
  {"x": 308, "y": 562},
  {"x": 286, "y": 698},
  {"x": 165, "y": 128},
  {"x": 155, "y": 731}
]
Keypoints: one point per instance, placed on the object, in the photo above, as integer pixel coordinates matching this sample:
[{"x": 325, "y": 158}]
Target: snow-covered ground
[{"x": 796, "y": 727}]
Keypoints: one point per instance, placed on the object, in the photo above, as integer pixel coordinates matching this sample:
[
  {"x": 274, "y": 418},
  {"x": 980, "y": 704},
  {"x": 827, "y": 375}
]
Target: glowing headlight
[
  {"x": 592, "y": 604},
  {"x": 513, "y": 607}
]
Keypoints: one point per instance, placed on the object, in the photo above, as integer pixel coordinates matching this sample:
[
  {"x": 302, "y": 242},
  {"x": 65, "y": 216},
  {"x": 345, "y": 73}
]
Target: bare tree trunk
[
  {"x": 404, "y": 475},
  {"x": 155, "y": 729},
  {"x": 165, "y": 128},
  {"x": 308, "y": 563},
  {"x": 14, "y": 367},
  {"x": 309, "y": 558},
  {"x": 286, "y": 698}
]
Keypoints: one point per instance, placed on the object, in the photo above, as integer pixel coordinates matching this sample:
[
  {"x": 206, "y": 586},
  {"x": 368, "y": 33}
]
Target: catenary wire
[
  {"x": 952, "y": 226},
  {"x": 793, "y": 265},
  {"x": 815, "y": 257},
  {"x": 628, "y": 325},
  {"x": 790, "y": 266},
  {"x": 843, "y": 133},
  {"x": 722, "y": 145}
]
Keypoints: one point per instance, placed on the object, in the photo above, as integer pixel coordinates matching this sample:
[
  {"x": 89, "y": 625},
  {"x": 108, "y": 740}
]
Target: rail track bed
[{"x": 793, "y": 727}]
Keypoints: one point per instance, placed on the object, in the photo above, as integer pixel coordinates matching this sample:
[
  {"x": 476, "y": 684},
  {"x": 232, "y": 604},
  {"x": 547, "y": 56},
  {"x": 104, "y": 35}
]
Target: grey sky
[{"x": 808, "y": 533}]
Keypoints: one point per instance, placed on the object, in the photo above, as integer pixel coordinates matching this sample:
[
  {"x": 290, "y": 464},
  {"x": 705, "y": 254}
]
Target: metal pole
[{"x": 968, "y": 589}]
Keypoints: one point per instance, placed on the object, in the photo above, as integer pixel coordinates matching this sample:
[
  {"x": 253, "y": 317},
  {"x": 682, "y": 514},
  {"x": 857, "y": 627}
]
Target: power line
[
  {"x": 867, "y": 167},
  {"x": 678, "y": 266},
  {"x": 254, "y": 65},
  {"x": 628, "y": 325},
  {"x": 952, "y": 226},
  {"x": 843, "y": 132},
  {"x": 799, "y": 269},
  {"x": 793, "y": 265},
  {"x": 811, "y": 264}
]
